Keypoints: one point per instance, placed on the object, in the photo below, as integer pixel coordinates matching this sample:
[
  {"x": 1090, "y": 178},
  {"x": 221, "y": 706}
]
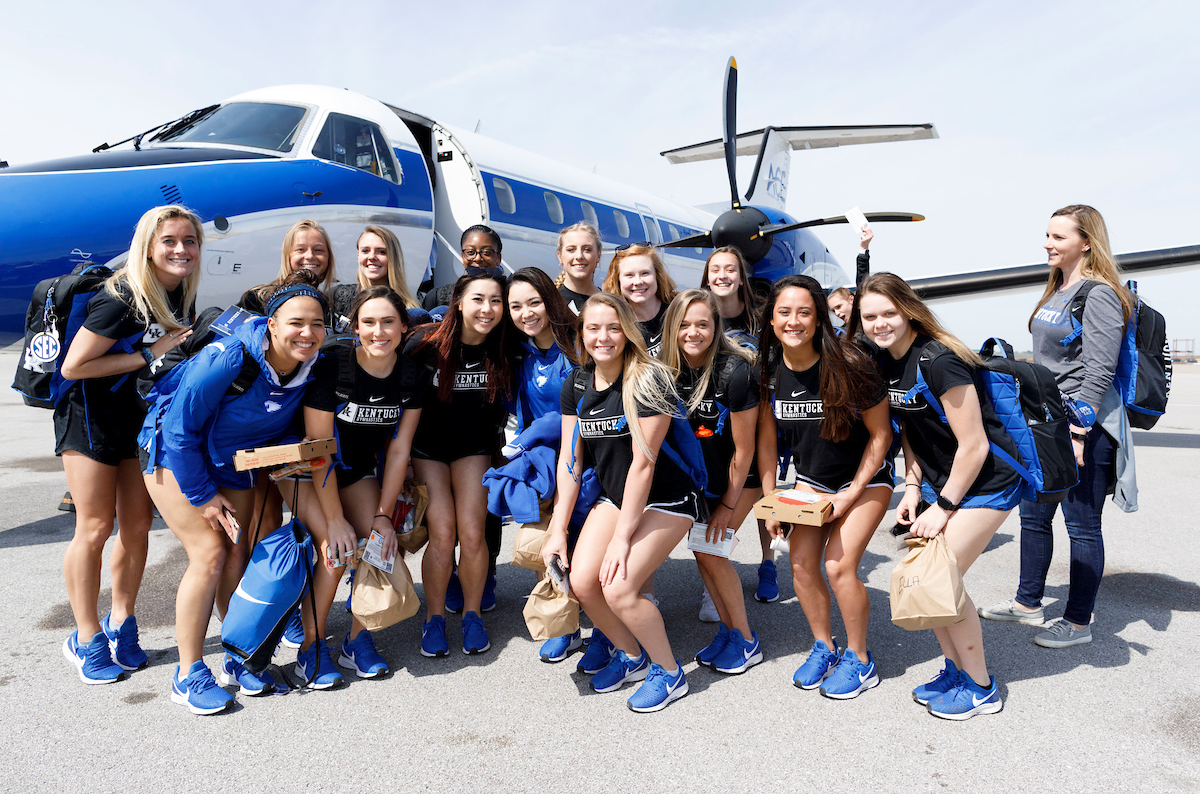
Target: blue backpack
[
  {"x": 1143, "y": 376},
  {"x": 1033, "y": 411}
]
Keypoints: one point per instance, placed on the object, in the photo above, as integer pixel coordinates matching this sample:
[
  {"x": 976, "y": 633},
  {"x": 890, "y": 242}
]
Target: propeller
[{"x": 746, "y": 227}]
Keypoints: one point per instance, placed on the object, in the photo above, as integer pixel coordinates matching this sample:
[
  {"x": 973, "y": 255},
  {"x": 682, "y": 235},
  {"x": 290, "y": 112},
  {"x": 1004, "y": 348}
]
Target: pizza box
[
  {"x": 794, "y": 507},
  {"x": 284, "y": 453}
]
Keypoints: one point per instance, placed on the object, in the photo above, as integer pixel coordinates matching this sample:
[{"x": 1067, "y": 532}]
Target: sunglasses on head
[{"x": 643, "y": 244}]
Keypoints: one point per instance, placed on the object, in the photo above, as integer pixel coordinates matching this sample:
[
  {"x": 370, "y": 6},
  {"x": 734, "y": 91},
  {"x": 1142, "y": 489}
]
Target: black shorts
[
  {"x": 689, "y": 506},
  {"x": 448, "y": 450},
  {"x": 107, "y": 438},
  {"x": 884, "y": 478}
]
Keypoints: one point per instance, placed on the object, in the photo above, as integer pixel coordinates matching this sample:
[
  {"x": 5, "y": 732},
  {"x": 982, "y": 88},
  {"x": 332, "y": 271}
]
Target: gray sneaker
[
  {"x": 1061, "y": 634},
  {"x": 1009, "y": 611}
]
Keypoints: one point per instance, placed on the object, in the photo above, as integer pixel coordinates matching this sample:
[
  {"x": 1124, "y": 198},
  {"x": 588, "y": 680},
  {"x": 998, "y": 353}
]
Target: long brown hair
[
  {"x": 923, "y": 321},
  {"x": 1098, "y": 261},
  {"x": 446, "y": 339},
  {"x": 849, "y": 379},
  {"x": 749, "y": 298},
  {"x": 563, "y": 323}
]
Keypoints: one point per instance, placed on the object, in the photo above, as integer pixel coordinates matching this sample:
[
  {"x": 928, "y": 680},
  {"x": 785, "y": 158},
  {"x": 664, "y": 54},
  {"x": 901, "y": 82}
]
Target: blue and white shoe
[
  {"x": 433, "y": 638},
  {"x": 293, "y": 633},
  {"x": 123, "y": 643},
  {"x": 360, "y": 656},
  {"x": 251, "y": 684},
  {"x": 739, "y": 654},
  {"x": 198, "y": 691},
  {"x": 817, "y": 666},
  {"x": 940, "y": 684},
  {"x": 474, "y": 635},
  {"x": 850, "y": 677},
  {"x": 556, "y": 649},
  {"x": 454, "y": 595},
  {"x": 94, "y": 660},
  {"x": 966, "y": 699},
  {"x": 598, "y": 654},
  {"x": 659, "y": 689},
  {"x": 619, "y": 671},
  {"x": 768, "y": 584},
  {"x": 714, "y": 648},
  {"x": 488, "y": 602},
  {"x": 316, "y": 669}
]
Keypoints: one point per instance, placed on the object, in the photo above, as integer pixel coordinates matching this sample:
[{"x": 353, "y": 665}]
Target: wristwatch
[
  {"x": 1079, "y": 436},
  {"x": 946, "y": 504}
]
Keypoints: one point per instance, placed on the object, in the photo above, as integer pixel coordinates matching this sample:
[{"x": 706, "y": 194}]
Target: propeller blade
[
  {"x": 702, "y": 240},
  {"x": 882, "y": 217},
  {"x": 729, "y": 132}
]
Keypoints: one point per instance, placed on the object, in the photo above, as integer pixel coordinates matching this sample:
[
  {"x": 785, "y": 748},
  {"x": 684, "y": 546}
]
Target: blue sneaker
[
  {"x": 94, "y": 660},
  {"x": 714, "y": 648},
  {"x": 940, "y": 684},
  {"x": 619, "y": 670},
  {"x": 316, "y": 669},
  {"x": 251, "y": 684},
  {"x": 556, "y": 649},
  {"x": 360, "y": 656},
  {"x": 199, "y": 692},
  {"x": 820, "y": 663},
  {"x": 850, "y": 677},
  {"x": 123, "y": 643},
  {"x": 474, "y": 635},
  {"x": 293, "y": 633},
  {"x": 454, "y": 594},
  {"x": 598, "y": 654},
  {"x": 739, "y": 654},
  {"x": 659, "y": 690},
  {"x": 768, "y": 584},
  {"x": 966, "y": 699},
  {"x": 488, "y": 602},
  {"x": 433, "y": 638}
]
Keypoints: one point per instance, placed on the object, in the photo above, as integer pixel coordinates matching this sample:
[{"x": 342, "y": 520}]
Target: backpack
[
  {"x": 162, "y": 375},
  {"x": 1143, "y": 375},
  {"x": 1034, "y": 413},
  {"x": 56, "y": 313}
]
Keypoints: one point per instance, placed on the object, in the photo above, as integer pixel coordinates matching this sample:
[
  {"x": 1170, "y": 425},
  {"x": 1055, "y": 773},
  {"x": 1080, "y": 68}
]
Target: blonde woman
[
  {"x": 380, "y": 264},
  {"x": 617, "y": 410},
  {"x": 142, "y": 313},
  {"x": 306, "y": 246},
  {"x": 578, "y": 254},
  {"x": 638, "y": 275}
]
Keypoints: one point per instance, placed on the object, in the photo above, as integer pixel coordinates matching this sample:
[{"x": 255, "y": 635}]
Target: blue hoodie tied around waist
[
  {"x": 515, "y": 488},
  {"x": 195, "y": 429}
]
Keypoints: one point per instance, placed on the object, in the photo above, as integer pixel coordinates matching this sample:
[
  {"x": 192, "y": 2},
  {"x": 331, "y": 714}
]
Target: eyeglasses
[
  {"x": 485, "y": 253},
  {"x": 643, "y": 244}
]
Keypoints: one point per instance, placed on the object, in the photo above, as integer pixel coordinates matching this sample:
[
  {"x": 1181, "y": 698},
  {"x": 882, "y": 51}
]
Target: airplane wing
[
  {"x": 805, "y": 138},
  {"x": 966, "y": 285}
]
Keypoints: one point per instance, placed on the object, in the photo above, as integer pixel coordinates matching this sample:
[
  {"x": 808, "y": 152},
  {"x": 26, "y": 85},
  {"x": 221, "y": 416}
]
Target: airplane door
[
  {"x": 649, "y": 224},
  {"x": 459, "y": 202}
]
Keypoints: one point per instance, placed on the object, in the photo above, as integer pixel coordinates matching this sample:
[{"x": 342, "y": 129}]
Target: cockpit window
[
  {"x": 356, "y": 143},
  {"x": 260, "y": 125}
]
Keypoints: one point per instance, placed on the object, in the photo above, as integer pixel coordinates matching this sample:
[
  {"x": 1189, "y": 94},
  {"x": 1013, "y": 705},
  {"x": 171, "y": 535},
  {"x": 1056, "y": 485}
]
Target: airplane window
[
  {"x": 622, "y": 223},
  {"x": 671, "y": 230},
  {"x": 589, "y": 214},
  {"x": 652, "y": 233},
  {"x": 554, "y": 207},
  {"x": 357, "y": 143},
  {"x": 505, "y": 199},
  {"x": 262, "y": 125}
]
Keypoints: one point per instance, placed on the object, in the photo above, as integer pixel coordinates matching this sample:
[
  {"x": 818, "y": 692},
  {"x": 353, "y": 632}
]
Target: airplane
[{"x": 256, "y": 163}]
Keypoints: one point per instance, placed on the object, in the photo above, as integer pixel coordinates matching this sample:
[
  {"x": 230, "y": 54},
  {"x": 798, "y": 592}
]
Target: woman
[
  {"x": 947, "y": 464},
  {"x": 142, "y": 313},
  {"x": 638, "y": 275},
  {"x": 830, "y": 409},
  {"x": 457, "y": 411},
  {"x": 578, "y": 254},
  {"x": 306, "y": 246},
  {"x": 616, "y": 412},
  {"x": 1082, "y": 353},
  {"x": 727, "y": 276},
  {"x": 380, "y": 264},
  {"x": 189, "y": 440},
  {"x": 355, "y": 397},
  {"x": 714, "y": 379}
]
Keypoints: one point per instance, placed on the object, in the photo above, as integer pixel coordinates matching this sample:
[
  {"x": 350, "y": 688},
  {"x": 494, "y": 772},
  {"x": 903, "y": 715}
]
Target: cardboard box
[
  {"x": 794, "y": 507},
  {"x": 284, "y": 453}
]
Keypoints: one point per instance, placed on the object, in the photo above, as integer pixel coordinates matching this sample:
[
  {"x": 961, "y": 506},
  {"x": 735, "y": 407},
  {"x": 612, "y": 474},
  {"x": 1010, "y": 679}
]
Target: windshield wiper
[{"x": 171, "y": 127}]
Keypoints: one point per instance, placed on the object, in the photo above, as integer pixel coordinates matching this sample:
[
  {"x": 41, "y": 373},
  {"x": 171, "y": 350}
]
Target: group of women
[{"x": 623, "y": 374}]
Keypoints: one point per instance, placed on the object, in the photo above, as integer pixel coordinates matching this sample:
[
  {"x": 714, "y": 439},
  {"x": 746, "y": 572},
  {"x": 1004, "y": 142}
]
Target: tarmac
[{"x": 1122, "y": 713}]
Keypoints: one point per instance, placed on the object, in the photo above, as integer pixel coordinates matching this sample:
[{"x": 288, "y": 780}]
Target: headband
[{"x": 295, "y": 291}]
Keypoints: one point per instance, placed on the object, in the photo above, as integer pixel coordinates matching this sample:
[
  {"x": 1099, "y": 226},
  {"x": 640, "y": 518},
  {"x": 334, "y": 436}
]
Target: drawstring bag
[
  {"x": 381, "y": 599},
  {"x": 550, "y": 612},
  {"x": 927, "y": 588}
]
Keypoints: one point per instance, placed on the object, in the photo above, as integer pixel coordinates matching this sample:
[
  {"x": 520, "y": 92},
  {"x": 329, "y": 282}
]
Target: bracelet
[
  {"x": 383, "y": 515},
  {"x": 911, "y": 485},
  {"x": 147, "y": 355},
  {"x": 727, "y": 507},
  {"x": 1079, "y": 436}
]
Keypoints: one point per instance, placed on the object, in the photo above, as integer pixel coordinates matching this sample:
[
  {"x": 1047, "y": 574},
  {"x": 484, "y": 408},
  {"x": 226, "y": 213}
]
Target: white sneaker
[
  {"x": 708, "y": 610},
  {"x": 650, "y": 597}
]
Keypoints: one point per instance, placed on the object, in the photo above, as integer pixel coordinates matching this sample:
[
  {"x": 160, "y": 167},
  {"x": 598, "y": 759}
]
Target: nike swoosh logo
[
  {"x": 276, "y": 394},
  {"x": 798, "y": 393},
  {"x": 749, "y": 653},
  {"x": 893, "y": 381},
  {"x": 374, "y": 399},
  {"x": 239, "y": 591},
  {"x": 595, "y": 411},
  {"x": 862, "y": 679},
  {"x": 472, "y": 366},
  {"x": 976, "y": 702}
]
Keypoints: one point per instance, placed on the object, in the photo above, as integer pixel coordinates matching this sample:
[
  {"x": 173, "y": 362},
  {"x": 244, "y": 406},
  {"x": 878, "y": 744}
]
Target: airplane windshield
[{"x": 261, "y": 125}]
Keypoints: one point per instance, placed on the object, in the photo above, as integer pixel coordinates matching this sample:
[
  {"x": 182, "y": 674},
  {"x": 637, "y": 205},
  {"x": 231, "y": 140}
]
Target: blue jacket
[
  {"x": 540, "y": 382},
  {"x": 195, "y": 429}
]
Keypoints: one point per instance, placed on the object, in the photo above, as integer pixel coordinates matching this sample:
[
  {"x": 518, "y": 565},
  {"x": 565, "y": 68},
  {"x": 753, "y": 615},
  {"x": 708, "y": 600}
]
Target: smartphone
[{"x": 559, "y": 574}]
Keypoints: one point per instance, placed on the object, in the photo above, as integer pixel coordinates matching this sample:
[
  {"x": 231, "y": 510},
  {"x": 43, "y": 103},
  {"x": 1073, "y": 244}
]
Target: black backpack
[{"x": 162, "y": 376}]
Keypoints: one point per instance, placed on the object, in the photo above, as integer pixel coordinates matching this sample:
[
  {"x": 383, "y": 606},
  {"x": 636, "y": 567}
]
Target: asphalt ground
[{"x": 1122, "y": 713}]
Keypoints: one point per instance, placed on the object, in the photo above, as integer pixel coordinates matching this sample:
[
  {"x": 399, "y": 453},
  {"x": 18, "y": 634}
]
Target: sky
[{"x": 1037, "y": 105}]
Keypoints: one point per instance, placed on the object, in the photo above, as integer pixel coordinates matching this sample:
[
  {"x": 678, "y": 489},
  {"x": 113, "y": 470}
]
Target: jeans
[{"x": 1081, "y": 513}]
